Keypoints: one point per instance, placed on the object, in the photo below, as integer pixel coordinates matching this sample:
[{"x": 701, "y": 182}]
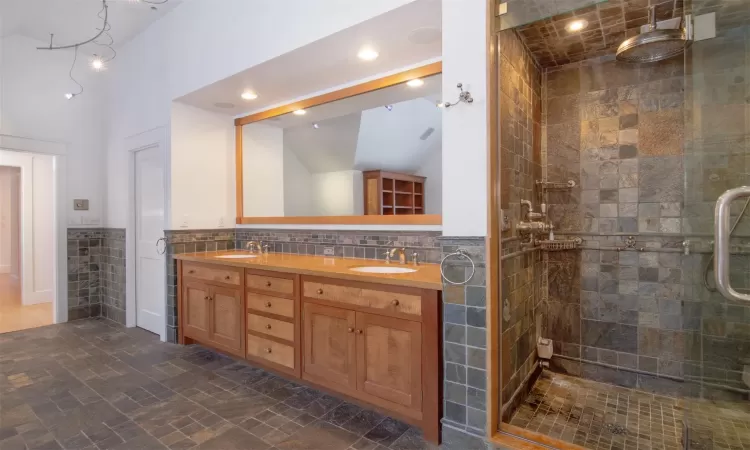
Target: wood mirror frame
[{"x": 369, "y": 86}]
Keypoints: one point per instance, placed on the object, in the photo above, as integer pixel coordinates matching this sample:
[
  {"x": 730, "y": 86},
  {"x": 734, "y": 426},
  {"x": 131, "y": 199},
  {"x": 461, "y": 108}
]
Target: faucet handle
[
  {"x": 265, "y": 248},
  {"x": 415, "y": 258}
]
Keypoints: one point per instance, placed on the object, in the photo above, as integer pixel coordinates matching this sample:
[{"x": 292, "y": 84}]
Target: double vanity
[{"x": 366, "y": 331}]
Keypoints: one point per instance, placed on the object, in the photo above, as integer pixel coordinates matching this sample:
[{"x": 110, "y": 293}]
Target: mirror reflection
[{"x": 374, "y": 153}]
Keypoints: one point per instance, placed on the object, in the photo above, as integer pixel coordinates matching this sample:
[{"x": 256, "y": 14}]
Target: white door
[{"x": 150, "y": 277}]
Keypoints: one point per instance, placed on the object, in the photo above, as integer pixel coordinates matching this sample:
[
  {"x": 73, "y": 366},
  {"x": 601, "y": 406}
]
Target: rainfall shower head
[{"x": 654, "y": 45}]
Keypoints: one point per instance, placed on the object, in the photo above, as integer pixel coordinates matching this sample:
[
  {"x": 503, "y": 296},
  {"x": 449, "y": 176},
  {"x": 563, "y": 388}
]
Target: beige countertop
[{"x": 427, "y": 276}]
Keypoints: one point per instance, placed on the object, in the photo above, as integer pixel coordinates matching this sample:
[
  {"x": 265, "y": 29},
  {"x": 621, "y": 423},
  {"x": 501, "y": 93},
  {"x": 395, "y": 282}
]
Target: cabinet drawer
[
  {"x": 216, "y": 274},
  {"x": 394, "y": 302},
  {"x": 271, "y": 305},
  {"x": 271, "y": 285},
  {"x": 271, "y": 327},
  {"x": 271, "y": 351}
]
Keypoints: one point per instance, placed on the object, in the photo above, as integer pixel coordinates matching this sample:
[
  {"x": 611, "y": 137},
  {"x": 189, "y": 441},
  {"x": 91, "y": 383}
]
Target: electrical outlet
[{"x": 328, "y": 251}]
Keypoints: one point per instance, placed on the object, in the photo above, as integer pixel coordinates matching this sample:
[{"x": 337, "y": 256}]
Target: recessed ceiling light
[
  {"x": 368, "y": 54},
  {"x": 417, "y": 82},
  {"x": 389, "y": 107},
  {"x": 316, "y": 126},
  {"x": 249, "y": 95},
  {"x": 300, "y": 112},
  {"x": 440, "y": 105},
  {"x": 69, "y": 95},
  {"x": 576, "y": 25}
]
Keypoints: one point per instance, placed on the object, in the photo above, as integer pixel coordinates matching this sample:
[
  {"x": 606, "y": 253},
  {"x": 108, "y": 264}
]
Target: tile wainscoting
[
  {"x": 465, "y": 337},
  {"x": 96, "y": 273}
]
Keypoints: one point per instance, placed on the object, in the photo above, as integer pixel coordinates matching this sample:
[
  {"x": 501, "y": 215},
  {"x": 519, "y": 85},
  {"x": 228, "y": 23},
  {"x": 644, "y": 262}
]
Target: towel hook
[{"x": 464, "y": 96}]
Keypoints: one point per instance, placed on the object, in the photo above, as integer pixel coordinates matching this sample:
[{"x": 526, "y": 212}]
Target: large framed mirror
[{"x": 368, "y": 154}]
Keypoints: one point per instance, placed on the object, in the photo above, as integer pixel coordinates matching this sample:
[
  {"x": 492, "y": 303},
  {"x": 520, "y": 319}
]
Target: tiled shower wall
[
  {"x": 350, "y": 244},
  {"x": 619, "y": 131},
  {"x": 520, "y": 167},
  {"x": 96, "y": 273}
]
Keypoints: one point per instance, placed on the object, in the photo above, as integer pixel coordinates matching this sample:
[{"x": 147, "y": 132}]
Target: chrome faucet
[
  {"x": 401, "y": 256},
  {"x": 254, "y": 244}
]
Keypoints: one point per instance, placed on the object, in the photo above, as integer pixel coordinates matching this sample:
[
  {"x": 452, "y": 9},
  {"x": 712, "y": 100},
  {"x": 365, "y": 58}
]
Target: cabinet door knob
[
  {"x": 268, "y": 304},
  {"x": 205, "y": 298},
  {"x": 268, "y": 284},
  {"x": 210, "y": 299},
  {"x": 191, "y": 271},
  {"x": 268, "y": 350},
  {"x": 350, "y": 329},
  {"x": 395, "y": 302},
  {"x": 268, "y": 327},
  {"x": 320, "y": 291},
  {"x": 359, "y": 332}
]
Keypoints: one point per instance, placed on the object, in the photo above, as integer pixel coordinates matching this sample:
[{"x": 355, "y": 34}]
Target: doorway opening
[{"x": 27, "y": 241}]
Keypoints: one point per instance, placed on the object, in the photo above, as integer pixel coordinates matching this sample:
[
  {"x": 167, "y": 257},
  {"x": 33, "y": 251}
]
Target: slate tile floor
[
  {"x": 601, "y": 416},
  {"x": 93, "y": 384}
]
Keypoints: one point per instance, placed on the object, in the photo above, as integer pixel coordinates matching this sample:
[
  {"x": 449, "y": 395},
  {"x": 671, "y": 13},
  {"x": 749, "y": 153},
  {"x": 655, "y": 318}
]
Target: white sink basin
[
  {"x": 382, "y": 269},
  {"x": 236, "y": 256}
]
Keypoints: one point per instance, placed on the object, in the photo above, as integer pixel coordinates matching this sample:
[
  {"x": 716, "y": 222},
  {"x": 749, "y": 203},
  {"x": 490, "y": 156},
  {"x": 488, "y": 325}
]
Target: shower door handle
[{"x": 722, "y": 231}]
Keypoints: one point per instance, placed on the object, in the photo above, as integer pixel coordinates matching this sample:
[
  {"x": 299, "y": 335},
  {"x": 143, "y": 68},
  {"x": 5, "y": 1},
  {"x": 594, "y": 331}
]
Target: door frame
[
  {"x": 58, "y": 151},
  {"x": 157, "y": 137}
]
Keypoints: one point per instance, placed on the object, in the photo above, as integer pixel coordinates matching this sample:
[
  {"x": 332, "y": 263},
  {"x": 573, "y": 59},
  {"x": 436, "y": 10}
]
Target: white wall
[
  {"x": 263, "y": 170},
  {"x": 465, "y": 126},
  {"x": 15, "y": 225},
  {"x": 33, "y": 106},
  {"x": 338, "y": 193},
  {"x": 298, "y": 198},
  {"x": 202, "y": 169},
  {"x": 432, "y": 169},
  {"x": 7, "y": 178},
  {"x": 37, "y": 223},
  {"x": 196, "y": 45}
]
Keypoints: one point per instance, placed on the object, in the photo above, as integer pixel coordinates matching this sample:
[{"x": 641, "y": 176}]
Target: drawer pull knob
[
  {"x": 320, "y": 291},
  {"x": 191, "y": 271},
  {"x": 268, "y": 350},
  {"x": 205, "y": 298},
  {"x": 359, "y": 332},
  {"x": 268, "y": 327},
  {"x": 210, "y": 299},
  {"x": 350, "y": 329},
  {"x": 268, "y": 304},
  {"x": 227, "y": 277},
  {"x": 395, "y": 302},
  {"x": 268, "y": 284}
]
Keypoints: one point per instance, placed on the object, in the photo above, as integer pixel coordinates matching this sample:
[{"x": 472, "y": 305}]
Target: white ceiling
[
  {"x": 76, "y": 20},
  {"x": 405, "y": 36}
]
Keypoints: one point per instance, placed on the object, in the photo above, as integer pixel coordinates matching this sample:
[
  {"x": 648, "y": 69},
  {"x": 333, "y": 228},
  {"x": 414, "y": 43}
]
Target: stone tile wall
[
  {"x": 347, "y": 244},
  {"x": 523, "y": 279},
  {"x": 464, "y": 338},
  {"x": 650, "y": 150},
  {"x": 96, "y": 273}
]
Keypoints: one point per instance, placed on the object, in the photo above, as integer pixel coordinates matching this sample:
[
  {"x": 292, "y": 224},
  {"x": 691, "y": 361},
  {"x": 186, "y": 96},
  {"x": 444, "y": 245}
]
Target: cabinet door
[
  {"x": 226, "y": 318},
  {"x": 195, "y": 301},
  {"x": 389, "y": 359},
  {"x": 329, "y": 345}
]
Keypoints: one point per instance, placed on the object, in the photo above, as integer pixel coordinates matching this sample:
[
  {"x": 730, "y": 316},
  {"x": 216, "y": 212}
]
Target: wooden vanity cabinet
[
  {"x": 372, "y": 343},
  {"x": 211, "y": 307}
]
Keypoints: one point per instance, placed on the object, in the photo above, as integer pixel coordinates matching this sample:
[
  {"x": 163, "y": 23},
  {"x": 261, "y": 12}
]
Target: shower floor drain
[{"x": 616, "y": 429}]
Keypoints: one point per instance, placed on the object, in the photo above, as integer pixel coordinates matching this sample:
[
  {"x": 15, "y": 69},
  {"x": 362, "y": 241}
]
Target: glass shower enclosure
[{"x": 628, "y": 240}]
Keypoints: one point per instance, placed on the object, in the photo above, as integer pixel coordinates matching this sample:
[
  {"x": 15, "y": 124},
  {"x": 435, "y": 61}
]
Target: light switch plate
[{"x": 80, "y": 204}]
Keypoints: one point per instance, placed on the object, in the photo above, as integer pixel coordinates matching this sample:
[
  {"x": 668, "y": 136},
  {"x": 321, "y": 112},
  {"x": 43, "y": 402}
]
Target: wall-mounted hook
[{"x": 464, "y": 96}]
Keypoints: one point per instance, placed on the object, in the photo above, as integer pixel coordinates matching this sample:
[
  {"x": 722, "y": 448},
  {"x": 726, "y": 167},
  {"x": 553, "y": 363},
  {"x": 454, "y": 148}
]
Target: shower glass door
[{"x": 716, "y": 328}]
